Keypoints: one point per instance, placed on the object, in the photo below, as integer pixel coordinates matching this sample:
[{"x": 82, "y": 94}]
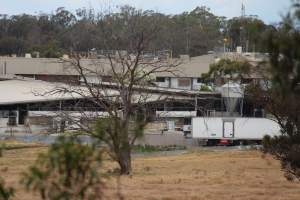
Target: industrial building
[{"x": 24, "y": 109}]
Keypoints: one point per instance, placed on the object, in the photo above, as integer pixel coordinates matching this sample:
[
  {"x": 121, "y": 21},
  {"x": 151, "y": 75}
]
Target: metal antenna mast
[{"x": 243, "y": 11}]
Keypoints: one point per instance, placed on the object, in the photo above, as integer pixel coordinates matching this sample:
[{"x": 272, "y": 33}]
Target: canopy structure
[
  {"x": 30, "y": 91},
  {"x": 18, "y": 91}
]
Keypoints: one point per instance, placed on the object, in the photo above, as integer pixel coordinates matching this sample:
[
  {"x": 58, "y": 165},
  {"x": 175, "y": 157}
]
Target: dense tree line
[
  {"x": 248, "y": 32},
  {"x": 194, "y": 33}
]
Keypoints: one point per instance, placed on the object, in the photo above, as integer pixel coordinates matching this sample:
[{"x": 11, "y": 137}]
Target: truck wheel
[{"x": 211, "y": 143}]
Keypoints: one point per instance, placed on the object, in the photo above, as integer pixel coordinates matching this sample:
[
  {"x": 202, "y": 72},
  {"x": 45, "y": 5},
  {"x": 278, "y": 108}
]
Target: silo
[{"x": 232, "y": 95}]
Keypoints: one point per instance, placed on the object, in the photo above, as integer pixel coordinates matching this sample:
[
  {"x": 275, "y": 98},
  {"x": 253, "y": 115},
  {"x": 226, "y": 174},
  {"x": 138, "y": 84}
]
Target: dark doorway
[{"x": 22, "y": 116}]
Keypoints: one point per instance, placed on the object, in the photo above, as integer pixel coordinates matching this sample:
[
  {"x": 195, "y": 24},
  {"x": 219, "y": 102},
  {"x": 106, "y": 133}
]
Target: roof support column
[
  {"x": 196, "y": 103},
  {"x": 60, "y": 105}
]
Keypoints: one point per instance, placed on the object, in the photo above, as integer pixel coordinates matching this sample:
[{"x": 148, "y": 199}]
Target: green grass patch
[{"x": 150, "y": 148}]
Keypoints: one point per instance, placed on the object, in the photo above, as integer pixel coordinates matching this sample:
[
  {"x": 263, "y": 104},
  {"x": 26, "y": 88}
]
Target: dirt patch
[{"x": 205, "y": 175}]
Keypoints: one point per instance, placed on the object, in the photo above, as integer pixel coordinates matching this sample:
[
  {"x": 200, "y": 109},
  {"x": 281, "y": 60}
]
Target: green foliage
[
  {"x": 10, "y": 45},
  {"x": 150, "y": 148},
  {"x": 111, "y": 128},
  {"x": 50, "y": 50},
  {"x": 227, "y": 67},
  {"x": 282, "y": 98},
  {"x": 119, "y": 135},
  {"x": 6, "y": 193},
  {"x": 267, "y": 142},
  {"x": 247, "y": 32},
  {"x": 205, "y": 88},
  {"x": 69, "y": 170},
  {"x": 194, "y": 32},
  {"x": 287, "y": 150}
]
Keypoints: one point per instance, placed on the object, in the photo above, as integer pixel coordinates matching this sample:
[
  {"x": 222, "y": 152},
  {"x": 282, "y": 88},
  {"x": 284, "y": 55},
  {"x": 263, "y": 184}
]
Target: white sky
[{"x": 268, "y": 10}]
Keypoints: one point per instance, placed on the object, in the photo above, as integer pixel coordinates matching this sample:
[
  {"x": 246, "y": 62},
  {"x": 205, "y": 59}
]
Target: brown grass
[
  {"x": 203, "y": 175},
  {"x": 13, "y": 144}
]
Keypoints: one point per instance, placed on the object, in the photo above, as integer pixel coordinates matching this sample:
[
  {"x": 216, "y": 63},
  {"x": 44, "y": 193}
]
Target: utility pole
[
  {"x": 243, "y": 14},
  {"x": 242, "y": 28}
]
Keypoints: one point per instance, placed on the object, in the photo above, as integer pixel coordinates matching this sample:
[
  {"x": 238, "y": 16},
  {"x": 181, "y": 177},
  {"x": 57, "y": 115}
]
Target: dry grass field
[{"x": 207, "y": 175}]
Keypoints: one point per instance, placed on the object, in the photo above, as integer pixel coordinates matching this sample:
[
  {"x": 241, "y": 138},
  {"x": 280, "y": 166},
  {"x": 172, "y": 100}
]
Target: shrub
[
  {"x": 6, "y": 193},
  {"x": 287, "y": 150},
  {"x": 69, "y": 170}
]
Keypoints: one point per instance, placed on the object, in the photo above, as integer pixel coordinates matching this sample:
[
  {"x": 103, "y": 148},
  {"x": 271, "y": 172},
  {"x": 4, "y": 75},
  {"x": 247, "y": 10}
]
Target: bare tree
[{"x": 119, "y": 84}]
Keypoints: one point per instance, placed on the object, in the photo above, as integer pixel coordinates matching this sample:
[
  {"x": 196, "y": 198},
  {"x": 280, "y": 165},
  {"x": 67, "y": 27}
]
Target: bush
[
  {"x": 287, "y": 150},
  {"x": 6, "y": 193},
  {"x": 69, "y": 170},
  {"x": 205, "y": 88}
]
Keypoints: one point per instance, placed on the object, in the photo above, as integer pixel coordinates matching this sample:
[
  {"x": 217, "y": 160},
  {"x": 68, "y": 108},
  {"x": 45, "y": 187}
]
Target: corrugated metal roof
[
  {"x": 24, "y": 91},
  {"x": 33, "y": 91}
]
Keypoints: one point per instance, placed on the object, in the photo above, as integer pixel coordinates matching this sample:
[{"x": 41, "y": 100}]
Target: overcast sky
[{"x": 268, "y": 10}]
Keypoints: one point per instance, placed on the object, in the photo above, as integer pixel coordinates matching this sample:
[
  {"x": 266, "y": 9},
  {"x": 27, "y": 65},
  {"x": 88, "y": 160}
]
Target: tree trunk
[{"x": 124, "y": 161}]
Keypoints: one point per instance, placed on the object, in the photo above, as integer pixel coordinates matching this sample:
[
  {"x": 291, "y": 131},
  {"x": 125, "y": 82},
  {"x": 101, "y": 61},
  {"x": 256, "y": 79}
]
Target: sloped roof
[
  {"x": 47, "y": 66},
  {"x": 33, "y": 91},
  {"x": 193, "y": 67}
]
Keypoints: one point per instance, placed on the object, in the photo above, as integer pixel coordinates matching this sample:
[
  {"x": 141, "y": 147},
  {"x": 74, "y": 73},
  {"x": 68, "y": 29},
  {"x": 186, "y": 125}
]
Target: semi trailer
[{"x": 218, "y": 130}]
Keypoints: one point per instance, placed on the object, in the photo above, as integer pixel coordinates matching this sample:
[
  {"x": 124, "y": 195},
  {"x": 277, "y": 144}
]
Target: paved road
[
  {"x": 167, "y": 139},
  {"x": 148, "y": 139}
]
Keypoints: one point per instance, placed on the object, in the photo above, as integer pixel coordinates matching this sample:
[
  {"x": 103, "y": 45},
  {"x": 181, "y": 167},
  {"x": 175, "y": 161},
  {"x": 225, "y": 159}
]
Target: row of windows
[{"x": 182, "y": 82}]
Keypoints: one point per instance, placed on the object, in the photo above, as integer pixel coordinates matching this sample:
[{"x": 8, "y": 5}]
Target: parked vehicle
[{"x": 217, "y": 130}]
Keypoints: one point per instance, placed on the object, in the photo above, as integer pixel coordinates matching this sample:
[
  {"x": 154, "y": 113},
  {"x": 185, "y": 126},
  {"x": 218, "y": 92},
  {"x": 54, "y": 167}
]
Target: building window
[
  {"x": 184, "y": 82},
  {"x": 160, "y": 79},
  {"x": 106, "y": 78},
  {"x": 199, "y": 80}
]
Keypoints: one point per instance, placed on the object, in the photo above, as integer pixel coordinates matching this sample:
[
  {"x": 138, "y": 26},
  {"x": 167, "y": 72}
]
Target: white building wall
[{"x": 174, "y": 84}]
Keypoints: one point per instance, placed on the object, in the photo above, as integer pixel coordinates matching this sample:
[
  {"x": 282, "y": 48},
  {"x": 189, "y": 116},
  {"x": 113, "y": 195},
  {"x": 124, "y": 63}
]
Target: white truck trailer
[{"x": 215, "y": 130}]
